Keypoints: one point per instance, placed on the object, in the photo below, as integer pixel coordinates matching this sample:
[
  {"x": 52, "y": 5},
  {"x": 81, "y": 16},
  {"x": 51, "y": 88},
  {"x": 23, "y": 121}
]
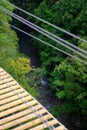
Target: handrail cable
[
  {"x": 69, "y": 55},
  {"x": 28, "y": 24},
  {"x": 46, "y": 43},
  {"x": 56, "y": 27},
  {"x": 64, "y": 41}
]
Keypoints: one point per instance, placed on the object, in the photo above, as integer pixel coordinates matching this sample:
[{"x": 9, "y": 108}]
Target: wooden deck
[{"x": 20, "y": 111}]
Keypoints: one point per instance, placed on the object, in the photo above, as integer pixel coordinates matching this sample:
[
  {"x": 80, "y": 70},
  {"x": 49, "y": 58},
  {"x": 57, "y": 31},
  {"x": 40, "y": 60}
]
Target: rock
[{"x": 44, "y": 81}]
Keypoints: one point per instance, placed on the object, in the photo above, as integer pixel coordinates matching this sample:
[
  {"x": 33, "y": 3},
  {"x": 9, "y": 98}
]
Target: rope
[
  {"x": 56, "y": 27},
  {"x": 48, "y": 44},
  {"x": 46, "y": 33},
  {"x": 19, "y": 18},
  {"x": 42, "y": 41}
]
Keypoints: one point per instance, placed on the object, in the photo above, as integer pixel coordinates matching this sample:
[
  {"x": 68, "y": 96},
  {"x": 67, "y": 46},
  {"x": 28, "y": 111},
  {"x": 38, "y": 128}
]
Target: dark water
[{"x": 25, "y": 47}]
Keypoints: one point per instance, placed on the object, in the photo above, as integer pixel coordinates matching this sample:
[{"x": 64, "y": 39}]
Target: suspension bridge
[{"x": 20, "y": 111}]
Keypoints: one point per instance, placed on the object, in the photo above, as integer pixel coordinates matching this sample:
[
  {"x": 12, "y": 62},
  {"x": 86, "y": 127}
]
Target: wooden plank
[
  {"x": 1, "y": 70},
  {"x": 6, "y": 80},
  {"x": 21, "y": 120},
  {"x": 3, "y": 77},
  {"x": 8, "y": 89},
  {"x": 59, "y": 128},
  {"x": 11, "y": 93},
  {"x": 3, "y": 73},
  {"x": 32, "y": 123},
  {"x": 43, "y": 126},
  {"x": 17, "y": 108},
  {"x": 9, "y": 83},
  {"x": 15, "y": 103},
  {"x": 19, "y": 114},
  {"x": 12, "y": 98}
]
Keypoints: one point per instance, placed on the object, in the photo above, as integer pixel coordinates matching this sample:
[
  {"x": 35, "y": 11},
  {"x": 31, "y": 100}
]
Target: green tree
[
  {"x": 69, "y": 81},
  {"x": 10, "y": 59}
]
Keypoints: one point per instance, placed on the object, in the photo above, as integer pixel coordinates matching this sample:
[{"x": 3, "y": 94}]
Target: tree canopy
[{"x": 67, "y": 77}]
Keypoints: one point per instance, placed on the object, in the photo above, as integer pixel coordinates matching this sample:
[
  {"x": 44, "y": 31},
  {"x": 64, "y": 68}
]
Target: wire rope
[
  {"x": 46, "y": 43},
  {"x": 56, "y": 27},
  {"x": 40, "y": 30}
]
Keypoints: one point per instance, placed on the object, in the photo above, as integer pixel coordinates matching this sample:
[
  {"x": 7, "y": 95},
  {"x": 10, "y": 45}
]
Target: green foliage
[
  {"x": 55, "y": 110},
  {"x": 21, "y": 66},
  {"x": 35, "y": 76},
  {"x": 71, "y": 18},
  {"x": 67, "y": 77},
  {"x": 10, "y": 59},
  {"x": 8, "y": 41},
  {"x": 61, "y": 94},
  {"x": 70, "y": 79}
]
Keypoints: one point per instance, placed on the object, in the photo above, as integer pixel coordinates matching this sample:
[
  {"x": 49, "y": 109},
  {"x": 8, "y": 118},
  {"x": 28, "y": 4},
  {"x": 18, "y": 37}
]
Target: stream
[
  {"x": 25, "y": 47},
  {"x": 45, "y": 98}
]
